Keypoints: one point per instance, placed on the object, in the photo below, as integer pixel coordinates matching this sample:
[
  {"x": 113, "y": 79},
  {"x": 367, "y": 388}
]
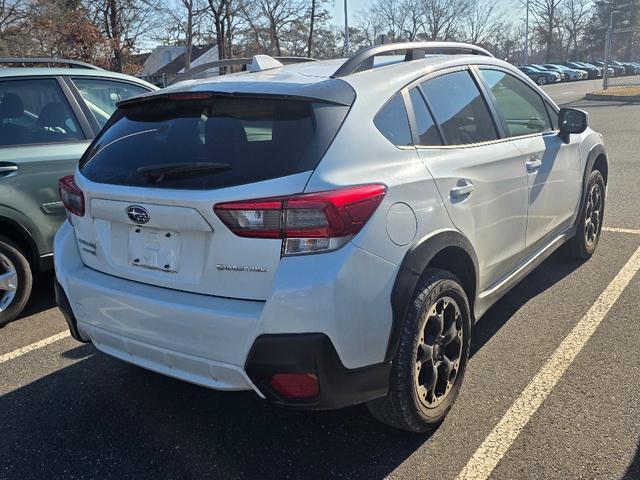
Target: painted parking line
[
  {"x": 486, "y": 457},
  {"x": 621, "y": 230},
  {"x": 34, "y": 346}
]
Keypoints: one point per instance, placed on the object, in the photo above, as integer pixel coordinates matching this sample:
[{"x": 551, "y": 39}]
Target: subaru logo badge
[{"x": 138, "y": 214}]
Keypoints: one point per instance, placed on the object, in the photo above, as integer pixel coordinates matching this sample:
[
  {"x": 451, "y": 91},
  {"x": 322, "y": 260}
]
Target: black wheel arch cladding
[{"x": 415, "y": 262}]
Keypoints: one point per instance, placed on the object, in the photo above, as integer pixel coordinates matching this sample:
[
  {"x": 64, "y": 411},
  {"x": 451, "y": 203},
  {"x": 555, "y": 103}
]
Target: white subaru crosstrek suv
[{"x": 324, "y": 233}]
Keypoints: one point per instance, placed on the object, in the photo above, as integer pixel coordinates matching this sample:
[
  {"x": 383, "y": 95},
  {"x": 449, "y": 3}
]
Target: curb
[{"x": 619, "y": 98}]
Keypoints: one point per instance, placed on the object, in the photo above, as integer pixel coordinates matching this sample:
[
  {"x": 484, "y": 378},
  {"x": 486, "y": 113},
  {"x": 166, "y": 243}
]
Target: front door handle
[
  {"x": 461, "y": 190},
  {"x": 533, "y": 164}
]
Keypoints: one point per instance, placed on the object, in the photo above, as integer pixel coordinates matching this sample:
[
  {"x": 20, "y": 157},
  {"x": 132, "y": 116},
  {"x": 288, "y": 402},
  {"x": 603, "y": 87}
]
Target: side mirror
[{"x": 571, "y": 121}]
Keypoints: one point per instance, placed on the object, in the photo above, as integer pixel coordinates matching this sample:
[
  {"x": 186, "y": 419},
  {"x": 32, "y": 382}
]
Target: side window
[
  {"x": 427, "y": 130},
  {"x": 459, "y": 109},
  {"x": 101, "y": 96},
  {"x": 35, "y": 112},
  {"x": 523, "y": 109},
  {"x": 393, "y": 122}
]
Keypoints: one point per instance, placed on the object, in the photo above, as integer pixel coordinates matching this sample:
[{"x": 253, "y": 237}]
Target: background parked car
[
  {"x": 572, "y": 73},
  {"x": 48, "y": 117},
  {"x": 541, "y": 77},
  {"x": 631, "y": 68},
  {"x": 592, "y": 72},
  {"x": 563, "y": 75},
  {"x": 618, "y": 70}
]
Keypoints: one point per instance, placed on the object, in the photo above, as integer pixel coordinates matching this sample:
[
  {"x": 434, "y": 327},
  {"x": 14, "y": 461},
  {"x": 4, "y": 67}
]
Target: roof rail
[
  {"x": 257, "y": 60},
  {"x": 60, "y": 61},
  {"x": 363, "y": 60}
]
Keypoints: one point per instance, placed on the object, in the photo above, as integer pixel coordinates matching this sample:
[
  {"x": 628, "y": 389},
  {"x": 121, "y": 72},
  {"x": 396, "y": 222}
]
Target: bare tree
[
  {"x": 481, "y": 21},
  {"x": 443, "y": 18},
  {"x": 546, "y": 15},
  {"x": 124, "y": 23},
  {"x": 311, "y": 25},
  {"x": 575, "y": 16},
  {"x": 12, "y": 12}
]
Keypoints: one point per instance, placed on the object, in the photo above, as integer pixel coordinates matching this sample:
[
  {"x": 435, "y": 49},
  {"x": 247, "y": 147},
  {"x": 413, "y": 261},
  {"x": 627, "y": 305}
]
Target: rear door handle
[
  {"x": 462, "y": 189},
  {"x": 7, "y": 169},
  {"x": 533, "y": 164}
]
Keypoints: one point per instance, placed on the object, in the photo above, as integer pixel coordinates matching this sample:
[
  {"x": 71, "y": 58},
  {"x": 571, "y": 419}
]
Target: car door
[
  {"x": 42, "y": 137},
  {"x": 480, "y": 177},
  {"x": 552, "y": 166}
]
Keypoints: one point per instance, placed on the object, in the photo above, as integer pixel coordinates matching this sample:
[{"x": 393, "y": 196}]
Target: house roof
[{"x": 177, "y": 65}]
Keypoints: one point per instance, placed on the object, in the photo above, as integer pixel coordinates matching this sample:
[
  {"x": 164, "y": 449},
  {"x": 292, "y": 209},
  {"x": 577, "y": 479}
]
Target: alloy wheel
[
  {"x": 8, "y": 282},
  {"x": 439, "y": 352},
  {"x": 593, "y": 215}
]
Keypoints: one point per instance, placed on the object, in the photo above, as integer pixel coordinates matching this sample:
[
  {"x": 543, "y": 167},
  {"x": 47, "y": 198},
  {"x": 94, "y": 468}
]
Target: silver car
[{"x": 325, "y": 233}]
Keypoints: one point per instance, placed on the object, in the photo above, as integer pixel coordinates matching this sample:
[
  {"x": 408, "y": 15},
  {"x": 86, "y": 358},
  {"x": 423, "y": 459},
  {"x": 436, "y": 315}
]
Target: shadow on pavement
[
  {"x": 42, "y": 297},
  {"x": 102, "y": 418},
  {"x": 552, "y": 270},
  {"x": 633, "y": 470}
]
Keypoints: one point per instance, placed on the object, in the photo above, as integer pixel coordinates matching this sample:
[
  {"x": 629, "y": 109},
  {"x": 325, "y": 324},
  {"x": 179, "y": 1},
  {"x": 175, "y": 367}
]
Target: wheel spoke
[
  {"x": 433, "y": 378},
  {"x": 451, "y": 332},
  {"x": 425, "y": 353},
  {"x": 8, "y": 281}
]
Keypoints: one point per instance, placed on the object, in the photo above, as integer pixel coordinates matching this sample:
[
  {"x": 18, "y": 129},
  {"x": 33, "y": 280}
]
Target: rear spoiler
[{"x": 327, "y": 91}]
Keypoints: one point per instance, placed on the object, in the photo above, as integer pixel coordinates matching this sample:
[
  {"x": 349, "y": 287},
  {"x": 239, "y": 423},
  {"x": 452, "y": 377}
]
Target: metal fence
[{"x": 622, "y": 58}]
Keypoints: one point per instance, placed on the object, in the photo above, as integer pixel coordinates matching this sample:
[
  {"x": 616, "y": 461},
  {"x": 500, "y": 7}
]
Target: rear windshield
[{"x": 214, "y": 143}]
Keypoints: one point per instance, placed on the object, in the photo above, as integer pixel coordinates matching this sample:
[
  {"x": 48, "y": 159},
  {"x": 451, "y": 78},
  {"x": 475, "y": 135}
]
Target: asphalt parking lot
[{"x": 552, "y": 390}]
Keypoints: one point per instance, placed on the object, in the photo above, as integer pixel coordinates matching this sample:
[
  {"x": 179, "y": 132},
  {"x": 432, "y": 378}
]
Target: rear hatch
[{"x": 151, "y": 179}]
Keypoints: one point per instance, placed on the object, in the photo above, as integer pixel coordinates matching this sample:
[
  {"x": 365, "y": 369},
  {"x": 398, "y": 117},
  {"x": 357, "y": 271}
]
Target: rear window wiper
[{"x": 157, "y": 173}]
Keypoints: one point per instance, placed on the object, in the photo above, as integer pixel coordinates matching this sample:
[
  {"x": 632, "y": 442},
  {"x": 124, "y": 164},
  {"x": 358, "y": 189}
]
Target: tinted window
[
  {"x": 393, "y": 123},
  {"x": 35, "y": 111},
  {"x": 427, "y": 131},
  {"x": 553, "y": 115},
  {"x": 459, "y": 109},
  {"x": 101, "y": 96},
  {"x": 234, "y": 140},
  {"x": 522, "y": 108}
]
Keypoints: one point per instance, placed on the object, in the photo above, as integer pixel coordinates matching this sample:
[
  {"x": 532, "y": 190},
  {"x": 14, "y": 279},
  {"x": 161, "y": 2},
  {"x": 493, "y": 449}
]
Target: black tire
[
  {"x": 404, "y": 406},
  {"x": 20, "y": 264},
  {"x": 589, "y": 226},
  {"x": 541, "y": 80}
]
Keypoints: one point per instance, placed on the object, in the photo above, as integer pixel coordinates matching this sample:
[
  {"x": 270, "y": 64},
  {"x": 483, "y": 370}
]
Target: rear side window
[
  {"x": 459, "y": 109},
  {"x": 392, "y": 121},
  {"x": 213, "y": 143},
  {"x": 523, "y": 110},
  {"x": 101, "y": 96},
  {"x": 35, "y": 112},
  {"x": 427, "y": 131}
]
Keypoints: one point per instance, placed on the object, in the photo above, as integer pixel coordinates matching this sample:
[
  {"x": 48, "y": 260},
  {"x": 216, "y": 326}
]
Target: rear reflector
[
  {"x": 71, "y": 196},
  {"x": 295, "y": 385},
  {"x": 308, "y": 223}
]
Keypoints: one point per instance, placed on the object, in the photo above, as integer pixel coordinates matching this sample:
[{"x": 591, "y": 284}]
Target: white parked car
[{"x": 325, "y": 233}]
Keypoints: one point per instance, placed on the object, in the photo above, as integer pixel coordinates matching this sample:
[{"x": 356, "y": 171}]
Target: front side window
[
  {"x": 101, "y": 96},
  {"x": 459, "y": 109},
  {"x": 35, "y": 112},
  {"x": 392, "y": 121},
  {"x": 523, "y": 110}
]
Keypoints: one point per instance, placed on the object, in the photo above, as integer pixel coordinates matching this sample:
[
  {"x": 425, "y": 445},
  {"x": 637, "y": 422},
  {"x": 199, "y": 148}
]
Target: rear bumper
[
  {"x": 231, "y": 344},
  {"x": 314, "y": 353}
]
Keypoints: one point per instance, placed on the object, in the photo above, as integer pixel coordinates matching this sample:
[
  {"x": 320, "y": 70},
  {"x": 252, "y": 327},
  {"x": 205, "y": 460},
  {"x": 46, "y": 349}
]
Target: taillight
[
  {"x": 71, "y": 195},
  {"x": 308, "y": 223}
]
